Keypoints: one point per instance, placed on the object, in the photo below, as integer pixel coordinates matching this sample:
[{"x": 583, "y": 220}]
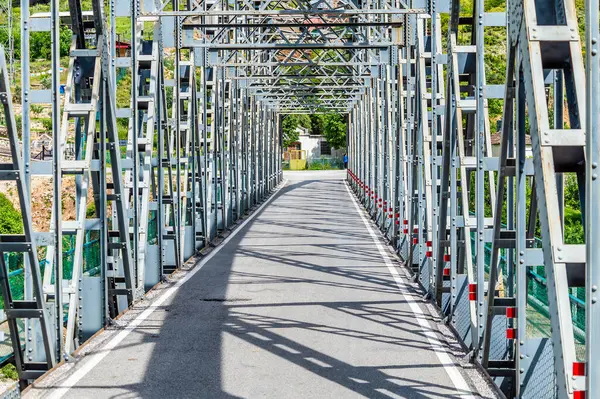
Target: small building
[
  {"x": 496, "y": 139},
  {"x": 65, "y": 18},
  {"x": 43, "y": 141},
  {"x": 316, "y": 146},
  {"x": 123, "y": 48}
]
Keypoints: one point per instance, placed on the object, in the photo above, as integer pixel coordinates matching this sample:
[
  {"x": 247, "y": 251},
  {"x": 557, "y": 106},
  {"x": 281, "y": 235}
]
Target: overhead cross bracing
[
  {"x": 325, "y": 45},
  {"x": 197, "y": 145}
]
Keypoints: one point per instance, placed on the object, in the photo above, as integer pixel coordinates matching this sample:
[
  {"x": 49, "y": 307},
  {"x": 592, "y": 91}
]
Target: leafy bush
[
  {"x": 324, "y": 164},
  {"x": 16, "y": 34},
  {"x": 574, "y": 233},
  {"x": 66, "y": 36},
  {"x": 10, "y": 371},
  {"x": 124, "y": 92},
  {"x": 46, "y": 81},
  {"x": 10, "y": 218},
  {"x": 47, "y": 123},
  {"x": 40, "y": 44},
  {"x": 319, "y": 166},
  {"x": 37, "y": 109},
  {"x": 90, "y": 211},
  {"x": 571, "y": 191},
  {"x": 123, "y": 128},
  {"x": 18, "y": 121}
]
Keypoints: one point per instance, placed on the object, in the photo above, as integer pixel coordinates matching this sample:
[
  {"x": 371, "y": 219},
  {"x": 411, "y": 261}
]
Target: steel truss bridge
[{"x": 210, "y": 82}]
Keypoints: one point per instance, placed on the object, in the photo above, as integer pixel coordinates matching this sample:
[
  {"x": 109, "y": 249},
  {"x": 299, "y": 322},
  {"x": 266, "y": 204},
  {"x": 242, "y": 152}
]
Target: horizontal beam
[
  {"x": 296, "y": 64},
  {"x": 292, "y": 13},
  {"x": 268, "y": 77},
  {"x": 318, "y": 25},
  {"x": 346, "y": 87},
  {"x": 312, "y": 111},
  {"x": 311, "y": 93},
  {"x": 287, "y": 46}
]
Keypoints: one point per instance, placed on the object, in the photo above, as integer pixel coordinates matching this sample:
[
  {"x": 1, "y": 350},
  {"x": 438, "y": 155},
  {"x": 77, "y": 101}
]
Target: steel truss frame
[
  {"x": 210, "y": 82},
  {"x": 199, "y": 151},
  {"x": 460, "y": 211}
]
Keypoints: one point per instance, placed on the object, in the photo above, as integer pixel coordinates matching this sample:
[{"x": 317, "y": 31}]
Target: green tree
[
  {"x": 40, "y": 45},
  {"x": 66, "y": 36},
  {"x": 289, "y": 125},
  {"x": 574, "y": 233},
  {"x": 304, "y": 121},
  {"x": 318, "y": 123},
  {"x": 334, "y": 130}
]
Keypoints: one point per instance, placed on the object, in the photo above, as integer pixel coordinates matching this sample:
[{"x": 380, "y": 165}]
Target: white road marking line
[
  {"x": 94, "y": 359},
  {"x": 457, "y": 379}
]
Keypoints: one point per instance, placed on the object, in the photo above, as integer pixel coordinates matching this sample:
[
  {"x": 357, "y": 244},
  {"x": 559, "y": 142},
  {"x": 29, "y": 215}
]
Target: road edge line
[
  {"x": 436, "y": 345},
  {"x": 93, "y": 359}
]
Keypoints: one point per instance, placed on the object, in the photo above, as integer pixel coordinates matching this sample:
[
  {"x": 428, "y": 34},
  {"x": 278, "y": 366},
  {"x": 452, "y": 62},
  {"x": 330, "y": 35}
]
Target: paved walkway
[{"x": 299, "y": 303}]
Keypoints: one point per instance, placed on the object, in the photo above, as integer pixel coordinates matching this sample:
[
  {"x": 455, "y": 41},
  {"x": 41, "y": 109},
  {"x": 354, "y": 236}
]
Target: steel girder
[
  {"x": 209, "y": 82},
  {"x": 465, "y": 215},
  {"x": 152, "y": 180},
  {"x": 32, "y": 310},
  {"x": 592, "y": 195}
]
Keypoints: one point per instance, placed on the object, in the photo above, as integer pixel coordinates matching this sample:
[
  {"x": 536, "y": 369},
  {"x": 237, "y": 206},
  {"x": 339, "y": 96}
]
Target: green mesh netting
[
  {"x": 91, "y": 264},
  {"x": 538, "y": 316},
  {"x": 91, "y": 259}
]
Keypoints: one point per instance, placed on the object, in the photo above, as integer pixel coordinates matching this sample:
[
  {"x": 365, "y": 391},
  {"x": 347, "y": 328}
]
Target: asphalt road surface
[{"x": 298, "y": 303}]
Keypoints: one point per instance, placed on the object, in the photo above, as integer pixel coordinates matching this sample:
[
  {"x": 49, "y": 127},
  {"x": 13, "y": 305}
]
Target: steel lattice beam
[{"x": 210, "y": 82}]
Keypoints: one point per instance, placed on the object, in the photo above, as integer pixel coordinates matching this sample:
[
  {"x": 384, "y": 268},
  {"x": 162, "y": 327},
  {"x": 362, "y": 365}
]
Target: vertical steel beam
[
  {"x": 57, "y": 169},
  {"x": 592, "y": 213}
]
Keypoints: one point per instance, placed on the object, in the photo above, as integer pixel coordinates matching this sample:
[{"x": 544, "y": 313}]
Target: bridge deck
[{"x": 298, "y": 303}]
